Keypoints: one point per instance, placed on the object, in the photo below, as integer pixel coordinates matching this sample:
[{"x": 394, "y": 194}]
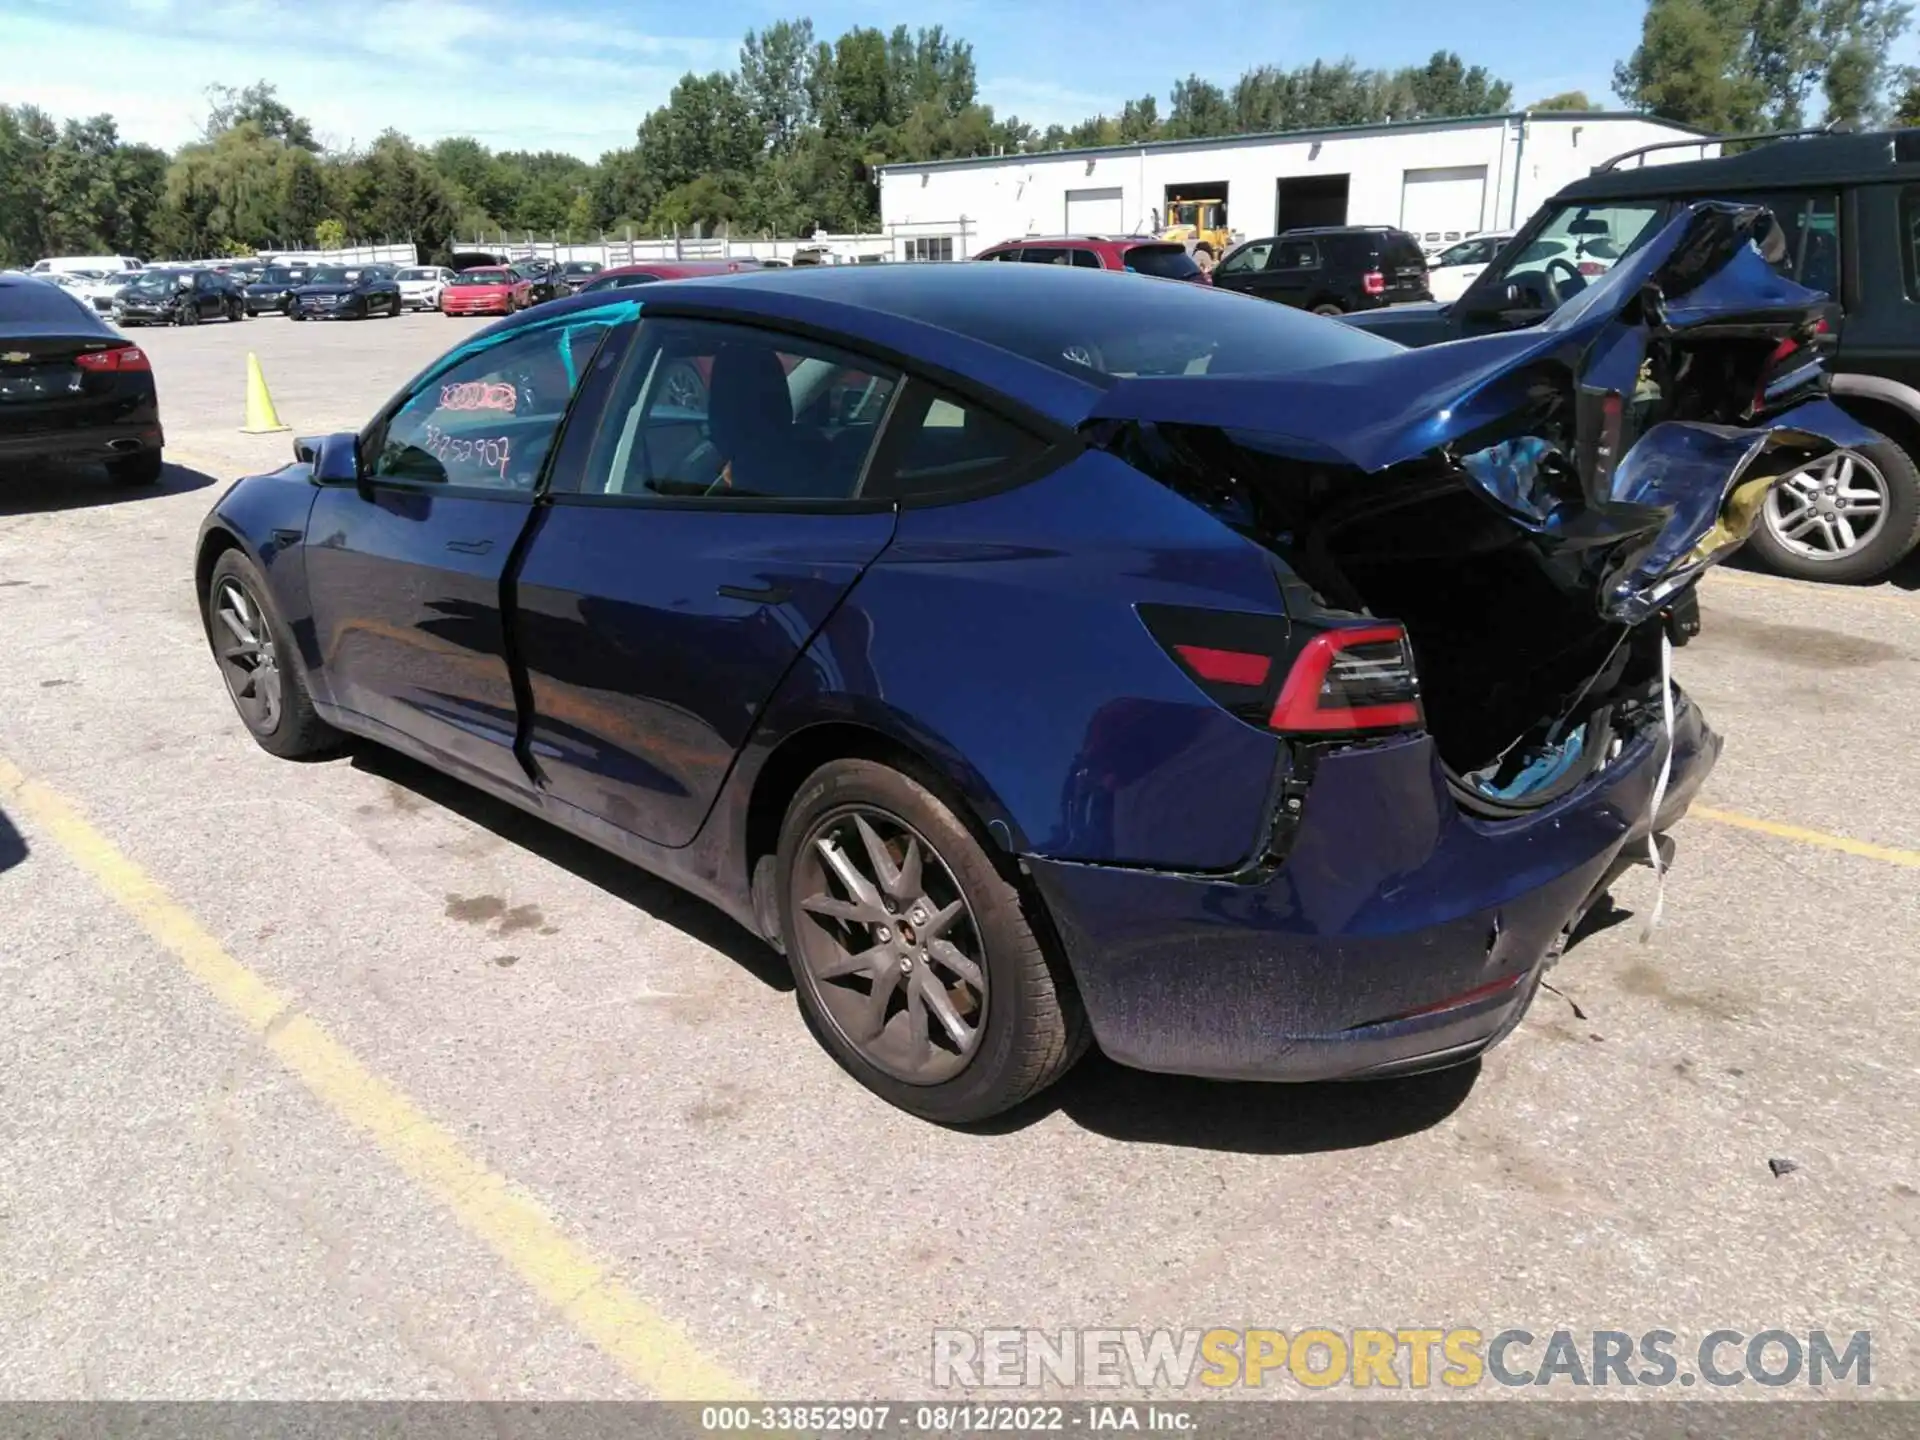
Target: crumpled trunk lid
[{"x": 1633, "y": 436}]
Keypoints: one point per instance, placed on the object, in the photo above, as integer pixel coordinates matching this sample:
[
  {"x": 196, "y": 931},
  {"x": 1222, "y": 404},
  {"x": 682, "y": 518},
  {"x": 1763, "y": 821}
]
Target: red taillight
[
  {"x": 1374, "y": 282},
  {"x": 1358, "y": 678},
  {"x": 1343, "y": 679},
  {"x": 1225, "y": 667},
  {"x": 127, "y": 357}
]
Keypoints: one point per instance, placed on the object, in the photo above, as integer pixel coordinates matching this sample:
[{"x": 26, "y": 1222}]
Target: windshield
[
  {"x": 157, "y": 280},
  {"x": 329, "y": 275},
  {"x": 414, "y": 275},
  {"x": 621, "y": 282},
  {"x": 278, "y": 275},
  {"x": 1577, "y": 245},
  {"x": 583, "y": 267},
  {"x": 482, "y": 277}
]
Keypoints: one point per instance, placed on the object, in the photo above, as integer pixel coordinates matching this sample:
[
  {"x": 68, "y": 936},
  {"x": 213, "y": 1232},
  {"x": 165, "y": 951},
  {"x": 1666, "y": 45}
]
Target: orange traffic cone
[{"x": 262, "y": 418}]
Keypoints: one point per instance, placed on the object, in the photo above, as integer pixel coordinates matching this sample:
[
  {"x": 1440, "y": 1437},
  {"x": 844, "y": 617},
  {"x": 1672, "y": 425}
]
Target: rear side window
[
  {"x": 1910, "y": 239},
  {"x": 1811, "y": 225},
  {"x": 943, "y": 444},
  {"x": 1295, "y": 255},
  {"x": 1045, "y": 255},
  {"x": 1167, "y": 262},
  {"x": 1086, "y": 260},
  {"x": 1404, "y": 250}
]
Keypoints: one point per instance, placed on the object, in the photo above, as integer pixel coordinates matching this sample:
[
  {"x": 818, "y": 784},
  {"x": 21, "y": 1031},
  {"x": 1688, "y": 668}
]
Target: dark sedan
[
  {"x": 648, "y": 272},
  {"x": 353, "y": 292},
  {"x": 579, "y": 273},
  {"x": 546, "y": 280},
  {"x": 71, "y": 388},
  {"x": 178, "y": 297},
  {"x": 1039, "y": 656},
  {"x": 269, "y": 294}
]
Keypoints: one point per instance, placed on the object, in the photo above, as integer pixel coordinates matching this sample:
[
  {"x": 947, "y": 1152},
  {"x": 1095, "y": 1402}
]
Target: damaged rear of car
[{"x": 1485, "y": 552}]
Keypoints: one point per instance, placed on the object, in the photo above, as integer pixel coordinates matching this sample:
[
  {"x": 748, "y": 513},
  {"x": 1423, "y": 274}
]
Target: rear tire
[
  {"x": 1328, "y": 308},
  {"x": 136, "y": 470},
  {"x": 1028, "y": 1026},
  {"x": 1887, "y": 469},
  {"x": 255, "y": 652}
]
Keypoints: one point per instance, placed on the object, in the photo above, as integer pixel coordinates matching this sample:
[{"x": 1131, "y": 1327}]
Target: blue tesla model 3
[{"x": 1040, "y": 657}]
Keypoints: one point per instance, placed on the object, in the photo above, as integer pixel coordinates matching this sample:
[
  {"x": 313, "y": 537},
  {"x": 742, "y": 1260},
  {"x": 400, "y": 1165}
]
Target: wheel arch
[
  {"x": 1888, "y": 406},
  {"x": 802, "y": 751}
]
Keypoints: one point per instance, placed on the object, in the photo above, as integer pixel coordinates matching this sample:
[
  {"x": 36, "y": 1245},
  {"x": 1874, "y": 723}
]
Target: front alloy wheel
[
  {"x": 1849, "y": 516},
  {"x": 247, "y": 656},
  {"x": 891, "y": 945}
]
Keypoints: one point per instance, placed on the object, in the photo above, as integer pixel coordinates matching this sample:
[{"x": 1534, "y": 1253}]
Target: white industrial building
[{"x": 1440, "y": 179}]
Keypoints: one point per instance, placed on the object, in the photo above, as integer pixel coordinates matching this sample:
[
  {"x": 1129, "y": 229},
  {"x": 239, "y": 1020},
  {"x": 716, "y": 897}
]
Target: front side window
[
  {"x": 726, "y": 412},
  {"x": 489, "y": 419},
  {"x": 1910, "y": 239},
  {"x": 1247, "y": 257},
  {"x": 1810, "y": 225},
  {"x": 1577, "y": 245}
]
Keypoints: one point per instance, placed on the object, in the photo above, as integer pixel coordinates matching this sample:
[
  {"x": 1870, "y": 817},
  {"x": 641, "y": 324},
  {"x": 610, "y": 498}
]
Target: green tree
[
  {"x": 303, "y": 197},
  {"x": 1199, "y": 110},
  {"x": 330, "y": 234},
  {"x": 1140, "y": 119},
  {"x": 1691, "y": 66},
  {"x": 1447, "y": 85},
  {"x": 259, "y": 104},
  {"x": 1906, "y": 108},
  {"x": 27, "y": 136},
  {"x": 775, "y": 73},
  {"x": 1565, "y": 100},
  {"x": 401, "y": 197}
]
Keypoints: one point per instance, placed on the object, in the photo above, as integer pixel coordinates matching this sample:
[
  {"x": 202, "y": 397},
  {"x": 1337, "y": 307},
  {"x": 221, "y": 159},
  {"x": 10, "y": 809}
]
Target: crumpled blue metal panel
[{"x": 1632, "y": 527}]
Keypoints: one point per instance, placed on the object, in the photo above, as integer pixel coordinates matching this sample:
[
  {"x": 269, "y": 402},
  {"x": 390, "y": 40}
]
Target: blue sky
[{"x": 577, "y": 75}]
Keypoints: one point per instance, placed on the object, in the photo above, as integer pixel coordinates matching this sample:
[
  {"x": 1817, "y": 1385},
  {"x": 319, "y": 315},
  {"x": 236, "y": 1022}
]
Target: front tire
[
  {"x": 257, "y": 658},
  {"x": 1848, "y": 518},
  {"x": 915, "y": 960}
]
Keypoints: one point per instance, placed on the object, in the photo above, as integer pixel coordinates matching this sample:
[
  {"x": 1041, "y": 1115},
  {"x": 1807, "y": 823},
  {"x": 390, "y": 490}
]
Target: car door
[
  {"x": 715, "y": 527},
  {"x": 1292, "y": 272},
  {"x": 1240, "y": 267},
  {"x": 405, "y": 568}
]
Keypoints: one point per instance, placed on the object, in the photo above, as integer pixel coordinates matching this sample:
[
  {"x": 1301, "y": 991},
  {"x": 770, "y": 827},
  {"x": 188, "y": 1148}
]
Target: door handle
[
  {"x": 766, "y": 595},
  {"x": 470, "y": 547}
]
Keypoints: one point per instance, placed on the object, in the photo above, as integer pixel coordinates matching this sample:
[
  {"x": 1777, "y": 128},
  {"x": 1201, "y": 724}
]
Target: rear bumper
[
  {"x": 1399, "y": 935},
  {"x": 84, "y": 444}
]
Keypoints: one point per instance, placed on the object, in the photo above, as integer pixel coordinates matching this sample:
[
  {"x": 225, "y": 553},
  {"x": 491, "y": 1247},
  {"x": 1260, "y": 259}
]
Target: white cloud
[{"x": 429, "y": 68}]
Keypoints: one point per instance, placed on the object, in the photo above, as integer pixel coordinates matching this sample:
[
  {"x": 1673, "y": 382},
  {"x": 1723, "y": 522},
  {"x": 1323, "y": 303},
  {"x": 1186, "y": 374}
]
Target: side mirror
[{"x": 335, "y": 458}]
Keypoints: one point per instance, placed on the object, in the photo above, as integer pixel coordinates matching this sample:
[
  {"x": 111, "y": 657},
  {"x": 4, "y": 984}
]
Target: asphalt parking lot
[{"x": 341, "y": 1080}]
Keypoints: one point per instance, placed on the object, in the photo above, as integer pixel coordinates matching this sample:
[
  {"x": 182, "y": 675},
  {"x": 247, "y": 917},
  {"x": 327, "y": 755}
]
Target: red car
[
  {"x": 1164, "y": 259},
  {"x": 486, "y": 290},
  {"x": 648, "y": 271}
]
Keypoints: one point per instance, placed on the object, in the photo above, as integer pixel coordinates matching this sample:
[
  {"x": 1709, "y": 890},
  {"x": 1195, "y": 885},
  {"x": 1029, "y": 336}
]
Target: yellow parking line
[
  {"x": 649, "y": 1348},
  {"x": 1865, "y": 849}
]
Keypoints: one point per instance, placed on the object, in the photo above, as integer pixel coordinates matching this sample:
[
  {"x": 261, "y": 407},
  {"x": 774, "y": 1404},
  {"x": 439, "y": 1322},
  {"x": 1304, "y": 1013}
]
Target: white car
[
  {"x": 97, "y": 291},
  {"x": 1451, "y": 271},
  {"x": 420, "y": 286}
]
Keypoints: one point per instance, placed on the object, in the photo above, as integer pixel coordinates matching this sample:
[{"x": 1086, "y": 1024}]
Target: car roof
[
  {"x": 682, "y": 268},
  {"x": 1128, "y": 240},
  {"x": 1343, "y": 230},
  {"x": 916, "y": 312},
  {"x": 1809, "y": 160}
]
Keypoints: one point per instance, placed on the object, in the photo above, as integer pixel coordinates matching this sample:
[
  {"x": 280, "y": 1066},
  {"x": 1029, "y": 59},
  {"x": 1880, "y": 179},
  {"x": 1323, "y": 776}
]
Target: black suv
[
  {"x": 1849, "y": 206},
  {"x": 1329, "y": 271}
]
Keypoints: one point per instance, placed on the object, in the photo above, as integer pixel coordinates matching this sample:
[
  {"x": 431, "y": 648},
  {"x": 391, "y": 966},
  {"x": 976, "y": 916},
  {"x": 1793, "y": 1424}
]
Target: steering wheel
[{"x": 1554, "y": 292}]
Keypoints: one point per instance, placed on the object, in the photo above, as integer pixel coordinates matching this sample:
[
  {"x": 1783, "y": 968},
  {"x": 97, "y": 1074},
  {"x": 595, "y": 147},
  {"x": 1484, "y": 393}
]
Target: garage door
[
  {"x": 1096, "y": 212},
  {"x": 1445, "y": 202}
]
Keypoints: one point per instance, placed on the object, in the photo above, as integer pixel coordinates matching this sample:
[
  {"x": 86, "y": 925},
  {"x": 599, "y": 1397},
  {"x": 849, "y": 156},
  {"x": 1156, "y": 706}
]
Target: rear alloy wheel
[
  {"x": 1850, "y": 516},
  {"x": 913, "y": 956},
  {"x": 259, "y": 662}
]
